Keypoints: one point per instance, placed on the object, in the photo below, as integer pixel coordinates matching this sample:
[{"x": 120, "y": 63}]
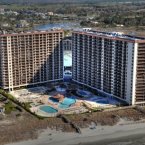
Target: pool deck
[
  {"x": 38, "y": 98},
  {"x": 71, "y": 110}
]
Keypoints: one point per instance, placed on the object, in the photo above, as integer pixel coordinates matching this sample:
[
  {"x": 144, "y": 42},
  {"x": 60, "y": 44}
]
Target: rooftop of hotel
[
  {"x": 120, "y": 35},
  {"x": 53, "y": 30}
]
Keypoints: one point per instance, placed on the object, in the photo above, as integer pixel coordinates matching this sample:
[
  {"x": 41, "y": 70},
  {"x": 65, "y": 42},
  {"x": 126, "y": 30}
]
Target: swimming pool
[
  {"x": 83, "y": 93},
  {"x": 48, "y": 109},
  {"x": 54, "y": 100},
  {"x": 60, "y": 89},
  {"x": 72, "y": 97},
  {"x": 95, "y": 98},
  {"x": 66, "y": 103},
  {"x": 102, "y": 101}
]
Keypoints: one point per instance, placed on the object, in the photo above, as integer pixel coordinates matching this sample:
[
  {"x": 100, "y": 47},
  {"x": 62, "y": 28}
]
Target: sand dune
[{"x": 101, "y": 133}]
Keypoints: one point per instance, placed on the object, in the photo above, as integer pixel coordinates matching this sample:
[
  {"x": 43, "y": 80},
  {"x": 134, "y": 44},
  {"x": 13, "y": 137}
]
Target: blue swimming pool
[
  {"x": 48, "y": 109},
  {"x": 59, "y": 89},
  {"x": 83, "y": 93},
  {"x": 102, "y": 101},
  {"x": 95, "y": 98},
  {"x": 66, "y": 103},
  {"x": 54, "y": 100},
  {"x": 72, "y": 97}
]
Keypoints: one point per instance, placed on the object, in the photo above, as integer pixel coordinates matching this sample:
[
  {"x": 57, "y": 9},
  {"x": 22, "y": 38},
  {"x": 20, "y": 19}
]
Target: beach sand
[
  {"x": 123, "y": 134},
  {"x": 138, "y": 139}
]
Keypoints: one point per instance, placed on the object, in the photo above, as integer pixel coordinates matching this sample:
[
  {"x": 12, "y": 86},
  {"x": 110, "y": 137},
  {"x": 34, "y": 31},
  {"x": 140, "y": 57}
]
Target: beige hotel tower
[
  {"x": 30, "y": 58},
  {"x": 112, "y": 63}
]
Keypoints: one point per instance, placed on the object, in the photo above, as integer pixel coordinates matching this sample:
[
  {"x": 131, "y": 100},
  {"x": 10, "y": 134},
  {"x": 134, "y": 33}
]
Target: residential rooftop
[
  {"x": 112, "y": 35},
  {"x": 32, "y": 32}
]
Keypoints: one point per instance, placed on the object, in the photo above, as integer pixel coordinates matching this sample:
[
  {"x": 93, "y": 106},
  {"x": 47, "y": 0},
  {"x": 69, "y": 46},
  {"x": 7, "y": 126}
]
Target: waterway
[{"x": 63, "y": 25}]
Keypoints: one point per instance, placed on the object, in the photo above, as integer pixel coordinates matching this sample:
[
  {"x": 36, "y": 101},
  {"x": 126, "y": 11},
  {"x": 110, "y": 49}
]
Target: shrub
[{"x": 9, "y": 107}]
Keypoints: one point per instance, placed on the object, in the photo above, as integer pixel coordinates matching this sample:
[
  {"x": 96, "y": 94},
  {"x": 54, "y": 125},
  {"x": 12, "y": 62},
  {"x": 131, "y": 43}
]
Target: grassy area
[
  {"x": 9, "y": 107},
  {"x": 25, "y": 106}
]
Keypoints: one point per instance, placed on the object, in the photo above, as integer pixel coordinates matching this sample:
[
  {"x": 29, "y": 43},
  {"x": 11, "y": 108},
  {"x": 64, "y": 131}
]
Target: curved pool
[
  {"x": 54, "y": 100},
  {"x": 102, "y": 101},
  {"x": 60, "y": 89},
  {"x": 66, "y": 103},
  {"x": 83, "y": 93},
  {"x": 48, "y": 109}
]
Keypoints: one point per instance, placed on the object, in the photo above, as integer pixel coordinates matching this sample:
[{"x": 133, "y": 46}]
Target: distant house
[
  {"x": 94, "y": 22},
  {"x": 5, "y": 25},
  {"x": 24, "y": 23},
  {"x": 2, "y": 10},
  {"x": 50, "y": 13},
  {"x": 12, "y": 12},
  {"x": 119, "y": 25},
  {"x": 12, "y": 19}
]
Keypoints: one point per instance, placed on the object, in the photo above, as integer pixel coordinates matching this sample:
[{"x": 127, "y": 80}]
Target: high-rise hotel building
[
  {"x": 112, "y": 63},
  {"x": 67, "y": 45},
  {"x": 30, "y": 58}
]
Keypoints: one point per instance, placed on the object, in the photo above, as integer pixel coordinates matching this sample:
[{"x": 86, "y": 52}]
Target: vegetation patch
[{"x": 9, "y": 107}]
